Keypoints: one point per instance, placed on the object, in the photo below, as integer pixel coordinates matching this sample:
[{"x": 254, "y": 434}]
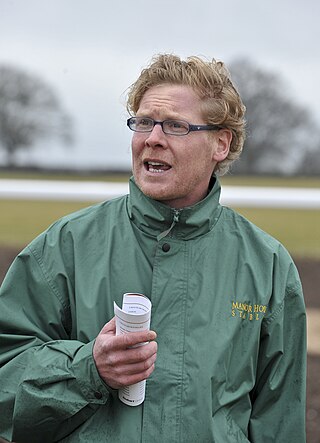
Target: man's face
[{"x": 175, "y": 169}]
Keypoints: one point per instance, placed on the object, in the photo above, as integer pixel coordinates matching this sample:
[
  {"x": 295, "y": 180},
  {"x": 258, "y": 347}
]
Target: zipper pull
[{"x": 176, "y": 217}]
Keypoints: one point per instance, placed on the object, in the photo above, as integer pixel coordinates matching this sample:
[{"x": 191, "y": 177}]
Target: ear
[{"x": 223, "y": 141}]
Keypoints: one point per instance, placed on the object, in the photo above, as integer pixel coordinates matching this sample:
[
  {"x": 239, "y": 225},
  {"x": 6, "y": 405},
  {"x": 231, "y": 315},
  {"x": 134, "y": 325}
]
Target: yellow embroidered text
[{"x": 248, "y": 311}]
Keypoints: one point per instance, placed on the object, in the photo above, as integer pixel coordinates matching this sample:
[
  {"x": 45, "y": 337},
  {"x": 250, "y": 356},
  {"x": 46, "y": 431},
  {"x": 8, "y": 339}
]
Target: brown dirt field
[{"x": 310, "y": 275}]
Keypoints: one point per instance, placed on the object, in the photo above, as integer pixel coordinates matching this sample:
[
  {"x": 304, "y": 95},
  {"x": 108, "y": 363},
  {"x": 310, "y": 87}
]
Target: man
[{"x": 227, "y": 360}]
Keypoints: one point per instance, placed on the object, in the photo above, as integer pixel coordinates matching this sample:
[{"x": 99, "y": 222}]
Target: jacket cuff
[{"x": 92, "y": 386}]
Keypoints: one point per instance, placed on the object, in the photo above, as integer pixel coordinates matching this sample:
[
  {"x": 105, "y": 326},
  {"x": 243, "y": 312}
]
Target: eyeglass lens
[{"x": 143, "y": 124}]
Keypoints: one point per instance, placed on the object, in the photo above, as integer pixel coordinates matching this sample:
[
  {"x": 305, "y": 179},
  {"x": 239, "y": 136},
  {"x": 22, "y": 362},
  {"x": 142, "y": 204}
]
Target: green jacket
[{"x": 226, "y": 304}]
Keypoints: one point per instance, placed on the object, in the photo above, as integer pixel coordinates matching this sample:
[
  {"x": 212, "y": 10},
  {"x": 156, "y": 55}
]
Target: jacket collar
[{"x": 159, "y": 220}]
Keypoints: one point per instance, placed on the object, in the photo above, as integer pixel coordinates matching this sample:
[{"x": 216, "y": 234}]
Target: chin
[{"x": 155, "y": 191}]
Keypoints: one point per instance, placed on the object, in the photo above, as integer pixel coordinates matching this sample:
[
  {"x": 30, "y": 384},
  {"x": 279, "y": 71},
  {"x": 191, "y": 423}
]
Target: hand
[{"x": 117, "y": 362}]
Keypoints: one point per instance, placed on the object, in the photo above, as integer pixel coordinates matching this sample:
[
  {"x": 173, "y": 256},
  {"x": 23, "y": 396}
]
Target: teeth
[
  {"x": 159, "y": 171},
  {"x": 157, "y": 167}
]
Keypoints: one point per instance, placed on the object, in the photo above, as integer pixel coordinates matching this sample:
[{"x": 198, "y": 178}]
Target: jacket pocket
[{"x": 225, "y": 429}]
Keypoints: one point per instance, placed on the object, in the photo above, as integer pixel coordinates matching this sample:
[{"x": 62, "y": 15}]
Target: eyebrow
[{"x": 173, "y": 116}]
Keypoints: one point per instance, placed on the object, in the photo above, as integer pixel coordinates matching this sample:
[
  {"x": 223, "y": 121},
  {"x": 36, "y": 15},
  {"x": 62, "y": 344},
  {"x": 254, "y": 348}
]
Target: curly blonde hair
[{"x": 221, "y": 102}]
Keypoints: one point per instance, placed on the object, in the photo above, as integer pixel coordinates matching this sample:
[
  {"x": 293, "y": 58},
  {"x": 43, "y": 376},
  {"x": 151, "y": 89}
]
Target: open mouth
[{"x": 156, "y": 167}]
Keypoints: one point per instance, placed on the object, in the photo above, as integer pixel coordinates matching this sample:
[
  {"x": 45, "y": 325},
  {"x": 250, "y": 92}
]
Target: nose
[{"x": 156, "y": 138}]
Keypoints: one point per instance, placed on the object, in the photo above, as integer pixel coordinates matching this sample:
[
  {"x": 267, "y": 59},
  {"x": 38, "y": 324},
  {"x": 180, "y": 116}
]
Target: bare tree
[
  {"x": 311, "y": 162},
  {"x": 29, "y": 111},
  {"x": 280, "y": 131}
]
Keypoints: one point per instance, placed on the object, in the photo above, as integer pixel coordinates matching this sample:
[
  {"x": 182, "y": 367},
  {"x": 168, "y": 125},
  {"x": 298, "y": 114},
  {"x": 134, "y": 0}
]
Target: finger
[
  {"x": 139, "y": 354},
  {"x": 127, "y": 380},
  {"x": 134, "y": 338},
  {"x": 121, "y": 358},
  {"x": 141, "y": 367}
]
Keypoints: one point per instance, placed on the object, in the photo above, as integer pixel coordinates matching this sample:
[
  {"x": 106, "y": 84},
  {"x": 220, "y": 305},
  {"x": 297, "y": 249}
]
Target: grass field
[{"x": 298, "y": 230}]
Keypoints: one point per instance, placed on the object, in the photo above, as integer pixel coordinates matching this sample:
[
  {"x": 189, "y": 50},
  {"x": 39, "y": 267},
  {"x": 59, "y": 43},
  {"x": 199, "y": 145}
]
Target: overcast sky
[{"x": 90, "y": 51}]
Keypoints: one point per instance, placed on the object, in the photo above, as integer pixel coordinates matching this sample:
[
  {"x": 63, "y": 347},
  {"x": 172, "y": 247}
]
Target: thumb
[{"x": 109, "y": 327}]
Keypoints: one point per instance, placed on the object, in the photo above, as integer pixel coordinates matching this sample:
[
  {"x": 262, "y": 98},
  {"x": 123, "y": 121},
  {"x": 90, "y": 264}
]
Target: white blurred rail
[{"x": 237, "y": 196}]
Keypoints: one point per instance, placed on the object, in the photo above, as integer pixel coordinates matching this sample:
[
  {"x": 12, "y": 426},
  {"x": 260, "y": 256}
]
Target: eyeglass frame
[{"x": 191, "y": 127}]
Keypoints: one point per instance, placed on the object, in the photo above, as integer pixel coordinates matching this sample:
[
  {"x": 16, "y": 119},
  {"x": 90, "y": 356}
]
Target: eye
[
  {"x": 177, "y": 126},
  {"x": 143, "y": 123}
]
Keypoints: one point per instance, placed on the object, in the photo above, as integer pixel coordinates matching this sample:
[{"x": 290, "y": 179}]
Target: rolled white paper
[{"x": 135, "y": 316}]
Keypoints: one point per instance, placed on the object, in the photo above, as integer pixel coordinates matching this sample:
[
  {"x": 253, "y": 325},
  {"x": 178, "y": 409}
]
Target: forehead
[{"x": 170, "y": 101}]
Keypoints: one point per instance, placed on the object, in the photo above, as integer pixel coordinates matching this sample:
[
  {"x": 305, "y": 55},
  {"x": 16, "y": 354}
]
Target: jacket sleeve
[
  {"x": 49, "y": 384},
  {"x": 278, "y": 400}
]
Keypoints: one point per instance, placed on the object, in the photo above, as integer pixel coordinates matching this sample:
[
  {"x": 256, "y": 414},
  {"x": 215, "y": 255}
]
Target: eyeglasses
[{"x": 171, "y": 127}]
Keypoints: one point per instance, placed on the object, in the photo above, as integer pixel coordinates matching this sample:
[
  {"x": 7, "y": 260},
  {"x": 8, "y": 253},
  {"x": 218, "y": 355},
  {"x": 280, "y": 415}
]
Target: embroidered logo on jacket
[{"x": 248, "y": 311}]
